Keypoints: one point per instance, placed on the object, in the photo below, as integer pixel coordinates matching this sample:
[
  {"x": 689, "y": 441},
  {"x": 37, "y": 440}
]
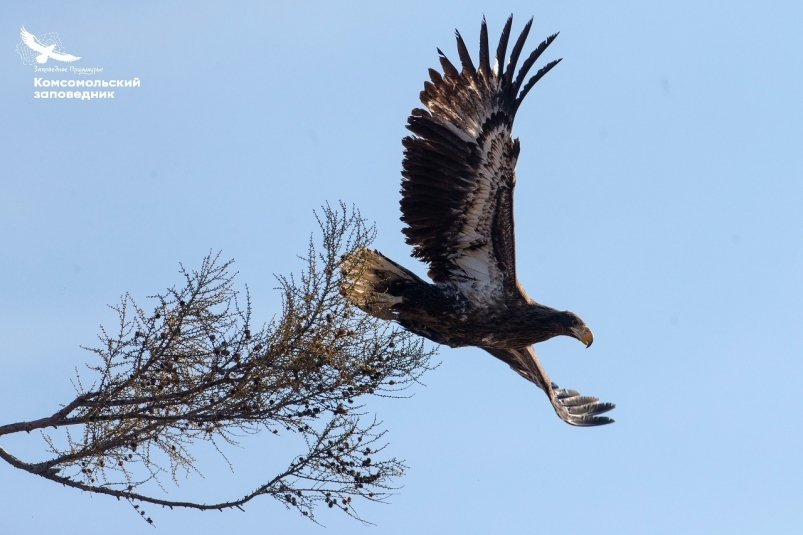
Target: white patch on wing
[
  {"x": 480, "y": 278},
  {"x": 475, "y": 264},
  {"x": 483, "y": 280}
]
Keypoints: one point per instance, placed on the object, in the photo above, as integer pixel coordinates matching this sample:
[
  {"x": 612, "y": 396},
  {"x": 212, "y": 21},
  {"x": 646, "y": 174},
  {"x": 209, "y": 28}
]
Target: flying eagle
[
  {"x": 45, "y": 51},
  {"x": 457, "y": 204}
]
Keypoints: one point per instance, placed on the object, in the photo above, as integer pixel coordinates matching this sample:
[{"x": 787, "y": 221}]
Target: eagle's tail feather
[{"x": 369, "y": 281}]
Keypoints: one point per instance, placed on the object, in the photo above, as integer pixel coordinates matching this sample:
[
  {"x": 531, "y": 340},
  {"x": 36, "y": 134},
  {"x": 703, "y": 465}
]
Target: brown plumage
[{"x": 457, "y": 204}]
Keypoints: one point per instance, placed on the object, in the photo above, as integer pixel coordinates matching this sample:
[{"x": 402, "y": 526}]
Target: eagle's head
[
  {"x": 545, "y": 322},
  {"x": 576, "y": 328}
]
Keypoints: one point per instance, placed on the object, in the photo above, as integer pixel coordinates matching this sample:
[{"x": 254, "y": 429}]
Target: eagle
[
  {"x": 44, "y": 52},
  {"x": 457, "y": 206}
]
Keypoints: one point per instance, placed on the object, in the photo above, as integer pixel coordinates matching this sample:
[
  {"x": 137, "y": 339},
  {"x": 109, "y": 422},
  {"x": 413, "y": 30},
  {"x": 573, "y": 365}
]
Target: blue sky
[{"x": 659, "y": 191}]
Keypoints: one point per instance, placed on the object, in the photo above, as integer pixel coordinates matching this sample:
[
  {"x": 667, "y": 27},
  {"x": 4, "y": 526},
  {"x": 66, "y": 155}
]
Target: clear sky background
[{"x": 659, "y": 197}]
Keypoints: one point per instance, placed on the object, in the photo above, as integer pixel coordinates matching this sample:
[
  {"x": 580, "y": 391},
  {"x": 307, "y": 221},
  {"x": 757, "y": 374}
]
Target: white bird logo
[{"x": 44, "y": 52}]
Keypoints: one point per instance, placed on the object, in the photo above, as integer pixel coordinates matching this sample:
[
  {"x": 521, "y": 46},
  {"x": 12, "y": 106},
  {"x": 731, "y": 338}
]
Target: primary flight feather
[{"x": 457, "y": 204}]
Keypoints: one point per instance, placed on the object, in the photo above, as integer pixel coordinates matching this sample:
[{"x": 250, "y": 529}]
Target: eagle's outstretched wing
[
  {"x": 570, "y": 406},
  {"x": 458, "y": 169},
  {"x": 64, "y": 57},
  {"x": 30, "y": 41}
]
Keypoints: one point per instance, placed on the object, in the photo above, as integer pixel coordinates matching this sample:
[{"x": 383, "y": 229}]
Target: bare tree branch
[{"x": 194, "y": 369}]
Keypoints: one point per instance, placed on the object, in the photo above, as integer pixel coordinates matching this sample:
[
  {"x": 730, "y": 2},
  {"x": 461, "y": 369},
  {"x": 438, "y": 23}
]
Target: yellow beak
[{"x": 585, "y": 335}]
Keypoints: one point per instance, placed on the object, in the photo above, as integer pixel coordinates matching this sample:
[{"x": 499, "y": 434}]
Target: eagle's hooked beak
[{"x": 583, "y": 334}]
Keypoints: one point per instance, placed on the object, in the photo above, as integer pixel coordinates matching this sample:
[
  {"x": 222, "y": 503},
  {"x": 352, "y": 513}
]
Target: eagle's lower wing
[
  {"x": 570, "y": 406},
  {"x": 63, "y": 57},
  {"x": 458, "y": 169}
]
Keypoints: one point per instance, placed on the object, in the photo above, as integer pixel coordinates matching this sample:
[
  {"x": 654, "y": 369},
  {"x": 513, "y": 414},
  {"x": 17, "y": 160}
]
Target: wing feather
[
  {"x": 459, "y": 168},
  {"x": 448, "y": 69},
  {"x": 514, "y": 54},
  {"x": 529, "y": 62},
  {"x": 569, "y": 405},
  {"x": 465, "y": 58},
  {"x": 532, "y": 58},
  {"x": 501, "y": 49},
  {"x": 485, "y": 62}
]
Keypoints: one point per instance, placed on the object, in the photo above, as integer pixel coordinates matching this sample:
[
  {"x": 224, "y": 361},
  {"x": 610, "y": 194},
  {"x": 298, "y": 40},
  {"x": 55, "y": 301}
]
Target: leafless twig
[{"x": 192, "y": 368}]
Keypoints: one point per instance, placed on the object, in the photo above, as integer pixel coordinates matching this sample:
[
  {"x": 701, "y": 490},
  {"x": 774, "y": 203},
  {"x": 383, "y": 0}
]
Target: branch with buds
[{"x": 194, "y": 369}]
